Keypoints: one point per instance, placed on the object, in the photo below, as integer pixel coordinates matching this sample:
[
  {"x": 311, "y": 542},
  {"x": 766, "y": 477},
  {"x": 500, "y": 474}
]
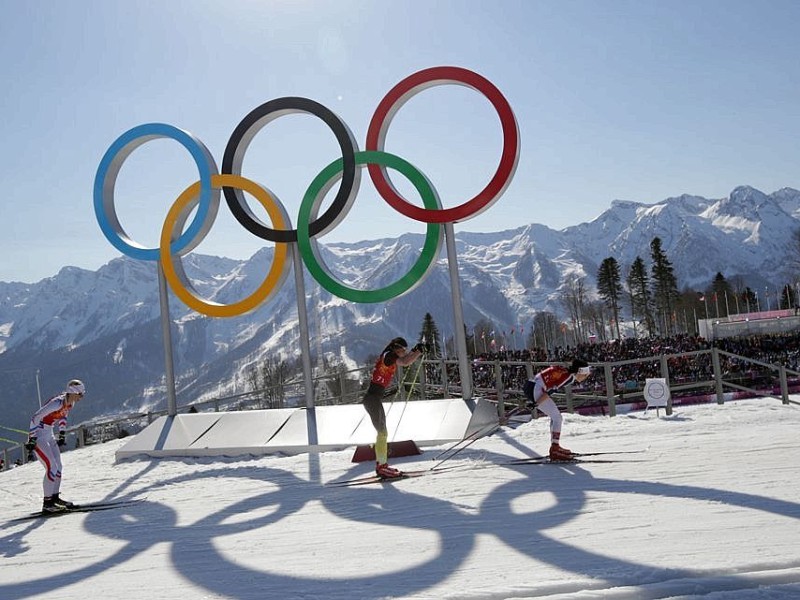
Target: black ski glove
[
  {"x": 30, "y": 445},
  {"x": 422, "y": 347},
  {"x": 62, "y": 439}
]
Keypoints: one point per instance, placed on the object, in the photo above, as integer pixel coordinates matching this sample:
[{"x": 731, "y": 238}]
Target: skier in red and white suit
[
  {"x": 538, "y": 391},
  {"x": 43, "y": 443}
]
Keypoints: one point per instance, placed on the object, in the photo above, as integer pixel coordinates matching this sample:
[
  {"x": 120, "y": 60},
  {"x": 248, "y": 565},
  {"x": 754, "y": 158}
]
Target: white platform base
[{"x": 257, "y": 432}]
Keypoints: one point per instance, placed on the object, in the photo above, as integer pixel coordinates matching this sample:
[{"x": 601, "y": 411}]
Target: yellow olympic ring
[{"x": 174, "y": 273}]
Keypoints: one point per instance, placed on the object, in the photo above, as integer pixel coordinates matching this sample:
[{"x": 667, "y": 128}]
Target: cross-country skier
[
  {"x": 538, "y": 391},
  {"x": 42, "y": 441},
  {"x": 396, "y": 353}
]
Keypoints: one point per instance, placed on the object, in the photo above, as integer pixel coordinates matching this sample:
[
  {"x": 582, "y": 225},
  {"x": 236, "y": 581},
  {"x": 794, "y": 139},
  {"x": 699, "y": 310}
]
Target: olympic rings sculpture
[{"x": 203, "y": 197}]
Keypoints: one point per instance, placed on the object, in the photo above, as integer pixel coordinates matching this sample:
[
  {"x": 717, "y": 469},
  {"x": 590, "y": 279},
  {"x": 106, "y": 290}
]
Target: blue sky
[{"x": 624, "y": 100}]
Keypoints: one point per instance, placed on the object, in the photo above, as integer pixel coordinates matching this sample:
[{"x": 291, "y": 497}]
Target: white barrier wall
[{"x": 257, "y": 432}]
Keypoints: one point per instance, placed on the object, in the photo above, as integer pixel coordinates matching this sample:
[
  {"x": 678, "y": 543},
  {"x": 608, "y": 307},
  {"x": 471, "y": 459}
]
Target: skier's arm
[
  {"x": 37, "y": 420},
  {"x": 409, "y": 358}
]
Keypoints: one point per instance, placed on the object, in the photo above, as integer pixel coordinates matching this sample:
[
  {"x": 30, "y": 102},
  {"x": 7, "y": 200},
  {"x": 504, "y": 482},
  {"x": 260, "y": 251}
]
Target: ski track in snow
[{"x": 712, "y": 512}]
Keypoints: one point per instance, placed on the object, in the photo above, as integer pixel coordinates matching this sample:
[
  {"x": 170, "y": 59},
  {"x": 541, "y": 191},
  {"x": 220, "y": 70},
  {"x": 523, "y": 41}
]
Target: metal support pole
[
  {"x": 784, "y": 384},
  {"x": 498, "y": 382},
  {"x": 717, "y": 375},
  {"x": 305, "y": 345},
  {"x": 612, "y": 401},
  {"x": 38, "y": 389},
  {"x": 458, "y": 313},
  {"x": 665, "y": 375},
  {"x": 529, "y": 372},
  {"x": 166, "y": 335}
]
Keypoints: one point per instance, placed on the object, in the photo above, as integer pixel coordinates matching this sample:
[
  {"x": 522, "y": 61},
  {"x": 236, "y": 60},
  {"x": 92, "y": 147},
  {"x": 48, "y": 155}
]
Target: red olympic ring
[{"x": 404, "y": 91}]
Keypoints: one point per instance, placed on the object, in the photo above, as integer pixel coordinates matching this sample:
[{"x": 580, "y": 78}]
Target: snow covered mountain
[{"x": 104, "y": 326}]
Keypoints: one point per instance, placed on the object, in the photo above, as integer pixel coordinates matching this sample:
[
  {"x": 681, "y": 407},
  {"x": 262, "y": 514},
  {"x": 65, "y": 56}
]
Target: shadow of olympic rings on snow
[
  {"x": 194, "y": 546},
  {"x": 525, "y": 531},
  {"x": 51, "y": 583},
  {"x": 371, "y": 506}
]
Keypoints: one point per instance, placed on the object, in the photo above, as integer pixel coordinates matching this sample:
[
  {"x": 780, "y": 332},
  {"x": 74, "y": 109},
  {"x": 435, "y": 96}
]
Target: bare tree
[
  {"x": 573, "y": 299},
  {"x": 595, "y": 316},
  {"x": 338, "y": 383},
  {"x": 269, "y": 378},
  {"x": 544, "y": 332},
  {"x": 484, "y": 334}
]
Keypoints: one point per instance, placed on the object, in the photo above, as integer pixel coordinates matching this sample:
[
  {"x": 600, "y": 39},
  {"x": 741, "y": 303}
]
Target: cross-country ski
[{"x": 79, "y": 508}]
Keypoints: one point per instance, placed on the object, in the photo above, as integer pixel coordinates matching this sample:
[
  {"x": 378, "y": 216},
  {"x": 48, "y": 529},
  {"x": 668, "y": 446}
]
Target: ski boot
[
  {"x": 50, "y": 506},
  {"x": 557, "y": 453},
  {"x": 63, "y": 503},
  {"x": 384, "y": 471}
]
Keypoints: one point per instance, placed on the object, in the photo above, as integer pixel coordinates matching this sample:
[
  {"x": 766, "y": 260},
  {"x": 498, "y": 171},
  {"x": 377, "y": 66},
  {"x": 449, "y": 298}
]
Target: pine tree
[
  {"x": 689, "y": 308},
  {"x": 430, "y": 334},
  {"x": 609, "y": 286},
  {"x": 720, "y": 293},
  {"x": 639, "y": 288},
  {"x": 665, "y": 287}
]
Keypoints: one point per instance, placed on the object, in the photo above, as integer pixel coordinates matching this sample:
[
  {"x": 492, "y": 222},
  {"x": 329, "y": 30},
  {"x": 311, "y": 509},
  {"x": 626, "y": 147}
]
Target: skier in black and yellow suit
[{"x": 396, "y": 353}]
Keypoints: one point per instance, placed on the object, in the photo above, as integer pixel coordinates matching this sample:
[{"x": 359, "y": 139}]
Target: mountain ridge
[{"x": 106, "y": 323}]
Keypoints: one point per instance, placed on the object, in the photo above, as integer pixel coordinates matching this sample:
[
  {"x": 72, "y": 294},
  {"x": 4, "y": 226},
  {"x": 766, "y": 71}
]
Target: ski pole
[
  {"x": 458, "y": 443},
  {"x": 414, "y": 382},
  {"x": 470, "y": 439},
  {"x": 411, "y": 389},
  {"x": 461, "y": 441},
  {"x": 14, "y": 430}
]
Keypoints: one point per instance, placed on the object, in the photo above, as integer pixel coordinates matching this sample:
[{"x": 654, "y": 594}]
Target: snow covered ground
[{"x": 711, "y": 510}]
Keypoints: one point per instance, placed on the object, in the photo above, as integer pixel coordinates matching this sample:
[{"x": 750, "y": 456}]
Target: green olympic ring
[{"x": 309, "y": 249}]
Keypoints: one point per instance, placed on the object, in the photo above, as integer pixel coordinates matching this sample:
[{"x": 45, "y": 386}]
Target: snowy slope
[{"x": 711, "y": 510}]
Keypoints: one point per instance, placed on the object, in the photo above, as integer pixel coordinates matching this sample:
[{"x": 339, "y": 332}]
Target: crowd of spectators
[{"x": 633, "y": 360}]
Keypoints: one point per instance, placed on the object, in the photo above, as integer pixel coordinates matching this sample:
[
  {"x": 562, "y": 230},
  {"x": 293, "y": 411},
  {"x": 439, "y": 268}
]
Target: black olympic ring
[{"x": 244, "y": 133}]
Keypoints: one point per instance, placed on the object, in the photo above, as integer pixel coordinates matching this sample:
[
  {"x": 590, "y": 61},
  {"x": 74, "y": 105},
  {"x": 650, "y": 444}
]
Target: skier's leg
[
  {"x": 49, "y": 455},
  {"x": 548, "y": 407},
  {"x": 374, "y": 408}
]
